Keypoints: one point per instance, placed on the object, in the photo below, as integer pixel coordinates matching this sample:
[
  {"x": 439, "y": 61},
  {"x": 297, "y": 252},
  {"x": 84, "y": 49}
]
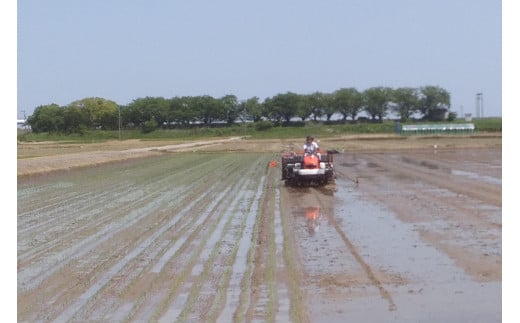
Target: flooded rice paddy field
[{"x": 402, "y": 236}]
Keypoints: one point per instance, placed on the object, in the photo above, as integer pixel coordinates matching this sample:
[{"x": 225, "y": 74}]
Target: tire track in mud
[
  {"x": 443, "y": 185},
  {"x": 321, "y": 199},
  {"x": 483, "y": 161},
  {"x": 465, "y": 194},
  {"x": 372, "y": 276},
  {"x": 427, "y": 187},
  {"x": 460, "y": 216},
  {"x": 438, "y": 176}
]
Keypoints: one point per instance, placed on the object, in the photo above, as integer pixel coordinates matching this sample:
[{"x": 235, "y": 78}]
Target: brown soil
[
  {"x": 41, "y": 157},
  {"x": 205, "y": 231}
]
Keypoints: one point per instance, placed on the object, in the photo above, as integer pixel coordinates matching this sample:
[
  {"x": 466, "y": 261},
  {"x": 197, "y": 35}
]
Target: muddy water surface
[
  {"x": 217, "y": 237},
  {"x": 366, "y": 265}
]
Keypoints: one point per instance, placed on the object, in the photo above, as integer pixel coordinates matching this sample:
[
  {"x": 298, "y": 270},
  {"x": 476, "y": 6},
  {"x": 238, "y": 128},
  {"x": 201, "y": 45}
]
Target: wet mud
[{"x": 406, "y": 236}]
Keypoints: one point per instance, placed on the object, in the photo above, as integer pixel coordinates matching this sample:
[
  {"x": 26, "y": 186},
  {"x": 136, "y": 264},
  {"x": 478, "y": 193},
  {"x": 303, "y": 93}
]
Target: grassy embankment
[{"x": 298, "y": 130}]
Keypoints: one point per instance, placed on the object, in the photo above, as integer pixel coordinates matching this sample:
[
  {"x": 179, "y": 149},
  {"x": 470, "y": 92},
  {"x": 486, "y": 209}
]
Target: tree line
[{"x": 430, "y": 103}]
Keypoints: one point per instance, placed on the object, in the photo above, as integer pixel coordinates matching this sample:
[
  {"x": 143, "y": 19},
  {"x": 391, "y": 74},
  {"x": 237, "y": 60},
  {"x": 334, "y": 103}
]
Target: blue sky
[{"x": 122, "y": 50}]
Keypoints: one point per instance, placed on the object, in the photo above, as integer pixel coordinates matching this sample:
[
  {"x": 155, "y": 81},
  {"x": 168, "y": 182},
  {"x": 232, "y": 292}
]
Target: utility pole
[
  {"x": 481, "y": 105},
  {"x": 119, "y": 120}
]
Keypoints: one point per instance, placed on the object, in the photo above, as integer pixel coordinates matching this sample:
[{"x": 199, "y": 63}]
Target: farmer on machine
[{"x": 310, "y": 147}]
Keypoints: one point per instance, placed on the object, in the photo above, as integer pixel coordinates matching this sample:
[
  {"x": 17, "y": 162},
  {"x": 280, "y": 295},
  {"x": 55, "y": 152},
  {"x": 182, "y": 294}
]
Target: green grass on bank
[{"x": 281, "y": 132}]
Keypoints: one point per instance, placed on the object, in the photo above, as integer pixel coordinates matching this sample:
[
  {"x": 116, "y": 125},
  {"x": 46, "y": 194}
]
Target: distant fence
[{"x": 437, "y": 128}]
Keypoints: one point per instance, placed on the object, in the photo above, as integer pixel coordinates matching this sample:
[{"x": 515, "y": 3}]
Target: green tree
[
  {"x": 304, "y": 106},
  {"x": 149, "y": 126},
  {"x": 328, "y": 108},
  {"x": 282, "y": 107},
  {"x": 131, "y": 115},
  {"x": 317, "y": 102},
  {"x": 97, "y": 112},
  {"x": 348, "y": 102},
  {"x": 231, "y": 108},
  {"x": 73, "y": 120},
  {"x": 405, "y": 102},
  {"x": 270, "y": 111},
  {"x": 377, "y": 102},
  {"x": 434, "y": 102},
  {"x": 180, "y": 110},
  {"x": 47, "y": 118},
  {"x": 252, "y": 109},
  {"x": 149, "y": 108},
  {"x": 208, "y": 109}
]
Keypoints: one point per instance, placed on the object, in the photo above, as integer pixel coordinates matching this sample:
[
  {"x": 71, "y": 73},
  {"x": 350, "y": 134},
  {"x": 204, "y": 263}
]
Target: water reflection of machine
[{"x": 312, "y": 217}]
